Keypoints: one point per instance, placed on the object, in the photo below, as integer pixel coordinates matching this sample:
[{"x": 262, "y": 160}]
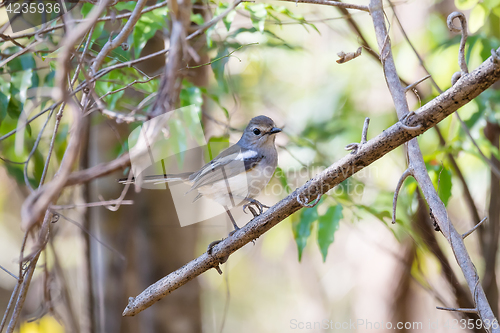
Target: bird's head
[{"x": 260, "y": 132}]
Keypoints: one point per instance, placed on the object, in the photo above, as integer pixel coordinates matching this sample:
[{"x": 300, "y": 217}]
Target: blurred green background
[{"x": 342, "y": 260}]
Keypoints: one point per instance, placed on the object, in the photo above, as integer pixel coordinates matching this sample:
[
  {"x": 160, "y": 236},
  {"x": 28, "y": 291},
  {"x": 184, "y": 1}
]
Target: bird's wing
[{"x": 227, "y": 164}]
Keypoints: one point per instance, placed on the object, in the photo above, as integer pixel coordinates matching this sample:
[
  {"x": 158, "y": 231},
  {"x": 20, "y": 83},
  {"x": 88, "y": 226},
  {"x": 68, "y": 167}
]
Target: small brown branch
[
  {"x": 364, "y": 134},
  {"x": 214, "y": 20},
  {"x": 457, "y": 309},
  {"x": 68, "y": 43},
  {"x": 474, "y": 228},
  {"x": 21, "y": 298},
  {"x": 414, "y": 84},
  {"x": 37, "y": 202},
  {"x": 355, "y": 146},
  {"x": 121, "y": 37},
  {"x": 93, "y": 204},
  {"x": 61, "y": 109},
  {"x": 8, "y": 272},
  {"x": 332, "y": 3},
  {"x": 463, "y": 29},
  {"x": 128, "y": 85},
  {"x": 13, "y": 297},
  {"x": 101, "y": 19},
  {"x": 488, "y": 161},
  {"x": 100, "y": 170},
  {"x": 406, "y": 174},
  {"x": 345, "y": 57},
  {"x": 428, "y": 116},
  {"x": 19, "y": 53}
]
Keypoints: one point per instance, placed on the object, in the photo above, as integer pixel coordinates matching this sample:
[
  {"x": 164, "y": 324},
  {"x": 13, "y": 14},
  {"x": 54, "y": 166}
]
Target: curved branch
[
  {"x": 406, "y": 174},
  {"x": 427, "y": 116},
  {"x": 463, "y": 29}
]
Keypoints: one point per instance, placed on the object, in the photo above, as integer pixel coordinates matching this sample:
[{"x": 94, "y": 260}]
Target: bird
[{"x": 238, "y": 174}]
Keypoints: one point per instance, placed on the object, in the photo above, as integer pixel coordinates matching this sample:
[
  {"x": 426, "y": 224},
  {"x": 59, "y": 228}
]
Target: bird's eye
[{"x": 256, "y": 131}]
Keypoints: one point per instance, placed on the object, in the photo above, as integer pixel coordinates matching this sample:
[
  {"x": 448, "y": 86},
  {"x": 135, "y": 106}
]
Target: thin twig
[
  {"x": 92, "y": 204},
  {"x": 488, "y": 161},
  {"x": 121, "y": 37},
  {"x": 414, "y": 84},
  {"x": 79, "y": 225},
  {"x": 406, "y": 174},
  {"x": 43, "y": 235},
  {"x": 474, "y": 228},
  {"x": 463, "y": 30},
  {"x": 332, "y": 3},
  {"x": 8, "y": 272},
  {"x": 457, "y": 309},
  {"x": 354, "y": 147},
  {"x": 19, "y": 53},
  {"x": 101, "y": 19}
]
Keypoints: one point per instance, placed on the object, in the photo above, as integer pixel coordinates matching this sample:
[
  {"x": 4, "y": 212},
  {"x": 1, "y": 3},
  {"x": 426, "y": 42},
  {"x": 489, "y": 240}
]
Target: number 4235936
[{"x": 32, "y": 8}]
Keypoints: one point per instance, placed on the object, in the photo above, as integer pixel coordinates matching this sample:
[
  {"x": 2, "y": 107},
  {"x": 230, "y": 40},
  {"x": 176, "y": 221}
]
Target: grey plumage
[{"x": 238, "y": 173}]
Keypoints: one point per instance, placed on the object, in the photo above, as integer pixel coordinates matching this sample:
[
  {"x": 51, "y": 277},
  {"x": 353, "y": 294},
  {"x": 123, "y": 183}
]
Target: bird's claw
[
  {"x": 215, "y": 242},
  {"x": 211, "y": 246},
  {"x": 260, "y": 206}
]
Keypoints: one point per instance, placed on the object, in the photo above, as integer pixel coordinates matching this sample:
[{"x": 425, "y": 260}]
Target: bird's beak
[{"x": 274, "y": 130}]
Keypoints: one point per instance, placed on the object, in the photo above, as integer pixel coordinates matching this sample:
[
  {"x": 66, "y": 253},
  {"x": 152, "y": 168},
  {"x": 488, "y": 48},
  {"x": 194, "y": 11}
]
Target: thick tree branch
[
  {"x": 427, "y": 116},
  {"x": 420, "y": 174}
]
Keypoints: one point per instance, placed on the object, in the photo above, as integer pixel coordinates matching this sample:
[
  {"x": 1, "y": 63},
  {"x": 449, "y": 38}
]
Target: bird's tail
[{"x": 158, "y": 179}]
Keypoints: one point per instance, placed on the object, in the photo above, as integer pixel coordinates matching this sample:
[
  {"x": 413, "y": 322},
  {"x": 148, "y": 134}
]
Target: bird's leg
[
  {"x": 257, "y": 204},
  {"x": 236, "y": 228}
]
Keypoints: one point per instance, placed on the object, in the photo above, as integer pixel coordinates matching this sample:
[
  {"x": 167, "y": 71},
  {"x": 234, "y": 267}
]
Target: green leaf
[
  {"x": 258, "y": 15},
  {"x": 496, "y": 11},
  {"x": 191, "y": 95},
  {"x": 281, "y": 176},
  {"x": 477, "y": 18},
  {"x": 444, "y": 185},
  {"x": 215, "y": 145},
  {"x": 302, "y": 227},
  {"x": 179, "y": 139},
  {"x": 216, "y": 99},
  {"x": 219, "y": 66},
  {"x": 113, "y": 99},
  {"x": 228, "y": 19},
  {"x": 87, "y": 7},
  {"x": 39, "y": 163},
  {"x": 130, "y": 6},
  {"x": 146, "y": 28},
  {"x": 16, "y": 172},
  {"x": 442, "y": 179},
  {"x": 465, "y": 4},
  {"x": 21, "y": 63},
  {"x": 327, "y": 225},
  {"x": 192, "y": 119},
  {"x": 490, "y": 4},
  {"x": 197, "y": 18},
  {"x": 4, "y": 102},
  {"x": 14, "y": 108}
]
